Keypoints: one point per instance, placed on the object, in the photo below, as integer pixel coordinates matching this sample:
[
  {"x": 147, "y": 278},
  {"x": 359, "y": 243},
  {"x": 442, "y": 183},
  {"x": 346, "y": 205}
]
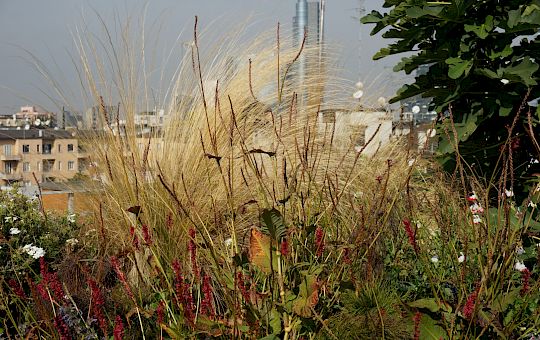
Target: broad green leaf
[
  {"x": 371, "y": 18},
  {"x": 514, "y": 17},
  {"x": 307, "y": 297},
  {"x": 522, "y": 72},
  {"x": 483, "y": 30},
  {"x": 429, "y": 330},
  {"x": 272, "y": 222},
  {"x": 275, "y": 321},
  {"x": 429, "y": 304},
  {"x": 457, "y": 67},
  {"x": 503, "y": 300},
  {"x": 383, "y": 52}
]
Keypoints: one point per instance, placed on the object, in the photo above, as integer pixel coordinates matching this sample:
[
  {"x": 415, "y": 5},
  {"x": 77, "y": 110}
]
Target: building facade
[{"x": 48, "y": 154}]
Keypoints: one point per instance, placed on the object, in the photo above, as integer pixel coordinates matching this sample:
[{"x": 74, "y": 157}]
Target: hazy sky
[{"x": 44, "y": 28}]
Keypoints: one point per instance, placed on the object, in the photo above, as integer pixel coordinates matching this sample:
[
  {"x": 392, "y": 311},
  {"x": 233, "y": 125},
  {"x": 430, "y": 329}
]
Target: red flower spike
[
  {"x": 97, "y": 305},
  {"x": 417, "y": 317},
  {"x": 525, "y": 279},
  {"x": 284, "y": 247},
  {"x": 118, "y": 332},
  {"x": 160, "y": 311},
  {"x": 319, "y": 241},
  {"x": 146, "y": 235},
  {"x": 411, "y": 234},
  {"x": 17, "y": 289},
  {"x": 61, "y": 328}
]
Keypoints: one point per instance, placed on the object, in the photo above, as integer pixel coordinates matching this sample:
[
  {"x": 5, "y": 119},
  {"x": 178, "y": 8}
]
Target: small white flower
[
  {"x": 228, "y": 242},
  {"x": 411, "y": 161},
  {"x": 520, "y": 250},
  {"x": 14, "y": 231},
  {"x": 72, "y": 242},
  {"x": 505, "y": 81},
  {"x": 35, "y": 252},
  {"x": 461, "y": 257},
  {"x": 509, "y": 193},
  {"x": 477, "y": 219},
  {"x": 435, "y": 259},
  {"x": 520, "y": 266},
  {"x": 71, "y": 218},
  {"x": 532, "y": 205}
]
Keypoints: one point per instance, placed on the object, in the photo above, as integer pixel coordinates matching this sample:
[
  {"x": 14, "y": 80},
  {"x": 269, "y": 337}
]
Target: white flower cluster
[
  {"x": 71, "y": 218},
  {"x": 10, "y": 219},
  {"x": 14, "y": 231},
  {"x": 476, "y": 208},
  {"x": 72, "y": 242},
  {"x": 35, "y": 252}
]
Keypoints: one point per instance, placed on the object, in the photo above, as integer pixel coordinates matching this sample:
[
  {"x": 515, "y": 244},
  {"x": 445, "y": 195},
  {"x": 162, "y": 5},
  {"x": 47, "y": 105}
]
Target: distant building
[
  {"x": 368, "y": 131},
  {"x": 49, "y": 154},
  {"x": 97, "y": 118},
  {"x": 28, "y": 116}
]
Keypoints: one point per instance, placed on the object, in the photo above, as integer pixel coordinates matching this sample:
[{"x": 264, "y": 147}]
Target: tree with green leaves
[{"x": 482, "y": 60}]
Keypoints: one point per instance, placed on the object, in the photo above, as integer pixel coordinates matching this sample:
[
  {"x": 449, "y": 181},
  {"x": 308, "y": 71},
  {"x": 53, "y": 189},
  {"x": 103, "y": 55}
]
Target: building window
[
  {"x": 70, "y": 147},
  {"x": 8, "y": 168},
  {"x": 71, "y": 165},
  {"x": 26, "y": 148},
  {"x": 38, "y": 165},
  {"x": 26, "y": 167},
  {"x": 59, "y": 165},
  {"x": 7, "y": 149},
  {"x": 37, "y": 148},
  {"x": 59, "y": 148},
  {"x": 47, "y": 148}
]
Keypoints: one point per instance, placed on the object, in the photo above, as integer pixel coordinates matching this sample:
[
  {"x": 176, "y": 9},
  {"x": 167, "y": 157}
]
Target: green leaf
[
  {"x": 483, "y": 30},
  {"x": 514, "y": 17},
  {"x": 522, "y": 72},
  {"x": 429, "y": 330},
  {"x": 270, "y": 337},
  {"x": 272, "y": 222},
  {"x": 429, "y": 304},
  {"x": 371, "y": 18},
  {"x": 458, "y": 67},
  {"x": 383, "y": 52},
  {"x": 307, "y": 297},
  {"x": 275, "y": 321}
]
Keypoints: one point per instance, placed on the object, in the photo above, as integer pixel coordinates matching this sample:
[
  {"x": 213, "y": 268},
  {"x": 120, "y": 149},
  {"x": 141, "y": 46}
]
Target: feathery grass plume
[{"x": 237, "y": 128}]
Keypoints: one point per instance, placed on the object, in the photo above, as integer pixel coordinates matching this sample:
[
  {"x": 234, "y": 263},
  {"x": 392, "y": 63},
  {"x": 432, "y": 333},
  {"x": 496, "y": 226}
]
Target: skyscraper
[{"x": 308, "y": 21}]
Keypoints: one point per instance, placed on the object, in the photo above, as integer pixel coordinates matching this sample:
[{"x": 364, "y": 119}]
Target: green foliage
[
  {"x": 482, "y": 61},
  {"x": 22, "y": 224}
]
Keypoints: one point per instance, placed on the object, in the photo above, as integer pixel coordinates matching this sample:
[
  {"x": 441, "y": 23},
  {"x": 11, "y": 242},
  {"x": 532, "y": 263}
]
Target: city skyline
[{"x": 41, "y": 36}]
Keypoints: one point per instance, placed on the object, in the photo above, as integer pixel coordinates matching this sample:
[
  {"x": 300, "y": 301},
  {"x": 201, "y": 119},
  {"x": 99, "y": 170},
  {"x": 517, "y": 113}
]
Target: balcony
[
  {"x": 10, "y": 157},
  {"x": 10, "y": 176}
]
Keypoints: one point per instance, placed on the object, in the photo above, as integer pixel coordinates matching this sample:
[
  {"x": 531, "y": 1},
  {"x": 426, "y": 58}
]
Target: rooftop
[{"x": 11, "y": 134}]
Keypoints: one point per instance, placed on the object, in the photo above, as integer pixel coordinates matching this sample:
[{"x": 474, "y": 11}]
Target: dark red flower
[
  {"x": 525, "y": 279},
  {"x": 160, "y": 311},
  {"x": 97, "y": 305},
  {"x": 61, "y": 328},
  {"x": 284, "y": 247},
  {"x": 134, "y": 238},
  {"x": 411, "y": 234},
  {"x": 146, "y": 235},
  {"x": 417, "y": 317},
  {"x": 319, "y": 241},
  {"x": 17, "y": 289},
  {"x": 207, "y": 304},
  {"x": 122, "y": 277},
  {"x": 468, "y": 309},
  {"x": 118, "y": 332}
]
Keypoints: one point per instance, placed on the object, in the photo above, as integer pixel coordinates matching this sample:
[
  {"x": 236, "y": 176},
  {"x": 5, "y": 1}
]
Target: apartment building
[{"x": 49, "y": 154}]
